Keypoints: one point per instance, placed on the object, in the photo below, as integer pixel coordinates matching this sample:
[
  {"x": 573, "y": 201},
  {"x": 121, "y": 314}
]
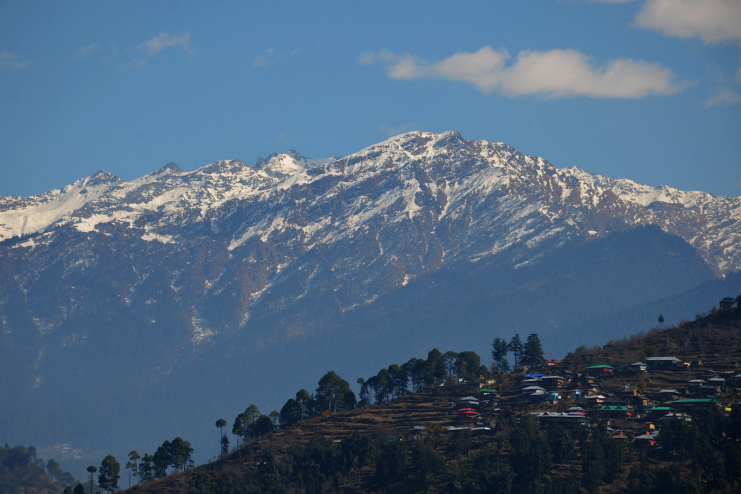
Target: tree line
[
  {"x": 334, "y": 394},
  {"x": 176, "y": 454},
  {"x": 530, "y": 353}
]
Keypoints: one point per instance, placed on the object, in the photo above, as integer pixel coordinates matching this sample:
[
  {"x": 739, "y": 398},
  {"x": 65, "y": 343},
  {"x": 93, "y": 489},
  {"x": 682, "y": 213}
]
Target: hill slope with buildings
[{"x": 653, "y": 413}]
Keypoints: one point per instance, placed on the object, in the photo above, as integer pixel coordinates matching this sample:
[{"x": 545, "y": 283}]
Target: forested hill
[{"x": 655, "y": 432}]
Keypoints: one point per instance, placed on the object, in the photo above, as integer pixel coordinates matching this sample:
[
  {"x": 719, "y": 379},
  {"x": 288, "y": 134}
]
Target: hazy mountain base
[{"x": 457, "y": 308}]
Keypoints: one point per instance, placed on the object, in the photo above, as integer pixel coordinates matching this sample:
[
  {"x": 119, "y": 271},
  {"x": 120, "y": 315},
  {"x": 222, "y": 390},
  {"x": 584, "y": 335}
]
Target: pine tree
[
  {"x": 109, "y": 474},
  {"x": 91, "y": 469},
  {"x": 396, "y": 376},
  {"x": 180, "y": 453},
  {"x": 133, "y": 466},
  {"x": 146, "y": 468},
  {"x": 435, "y": 367},
  {"x": 52, "y": 468},
  {"x": 468, "y": 365},
  {"x": 221, "y": 423},
  {"x": 498, "y": 353},
  {"x": 224, "y": 445},
  {"x": 363, "y": 392},
  {"x": 303, "y": 398},
  {"x": 334, "y": 393},
  {"x": 533, "y": 351},
  {"x": 515, "y": 346},
  {"x": 275, "y": 419},
  {"x": 449, "y": 358}
]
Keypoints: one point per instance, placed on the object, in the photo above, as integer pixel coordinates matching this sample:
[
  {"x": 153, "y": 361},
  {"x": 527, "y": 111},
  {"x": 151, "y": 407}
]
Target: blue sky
[{"x": 646, "y": 89}]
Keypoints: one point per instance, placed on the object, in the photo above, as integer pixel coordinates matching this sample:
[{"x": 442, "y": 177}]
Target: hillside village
[
  {"x": 614, "y": 418},
  {"x": 626, "y": 392}
]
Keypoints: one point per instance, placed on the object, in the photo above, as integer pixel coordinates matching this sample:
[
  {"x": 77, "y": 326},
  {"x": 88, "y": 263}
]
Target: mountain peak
[
  {"x": 288, "y": 163},
  {"x": 171, "y": 167},
  {"x": 100, "y": 177}
]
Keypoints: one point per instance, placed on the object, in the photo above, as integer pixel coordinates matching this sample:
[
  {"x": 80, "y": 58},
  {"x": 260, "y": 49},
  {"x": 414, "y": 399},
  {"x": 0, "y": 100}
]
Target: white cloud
[
  {"x": 163, "y": 41},
  {"x": 87, "y": 50},
  {"x": 266, "y": 58},
  {"x": 555, "y": 73},
  {"x": 395, "y": 130},
  {"x": 713, "y": 21},
  {"x": 8, "y": 61},
  {"x": 724, "y": 97},
  {"x": 283, "y": 137}
]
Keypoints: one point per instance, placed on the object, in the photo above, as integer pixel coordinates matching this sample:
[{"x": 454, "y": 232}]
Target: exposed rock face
[{"x": 229, "y": 238}]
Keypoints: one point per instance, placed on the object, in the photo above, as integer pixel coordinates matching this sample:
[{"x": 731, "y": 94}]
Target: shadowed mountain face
[{"x": 202, "y": 291}]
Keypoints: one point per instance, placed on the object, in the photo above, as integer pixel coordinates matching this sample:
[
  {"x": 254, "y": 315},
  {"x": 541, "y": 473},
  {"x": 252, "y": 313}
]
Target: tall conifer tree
[
  {"x": 533, "y": 351},
  {"x": 499, "y": 351},
  {"x": 515, "y": 346}
]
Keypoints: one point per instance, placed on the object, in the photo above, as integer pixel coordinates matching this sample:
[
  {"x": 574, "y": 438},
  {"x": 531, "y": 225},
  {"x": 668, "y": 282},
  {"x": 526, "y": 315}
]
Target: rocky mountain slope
[
  {"x": 127, "y": 287},
  {"x": 358, "y": 226}
]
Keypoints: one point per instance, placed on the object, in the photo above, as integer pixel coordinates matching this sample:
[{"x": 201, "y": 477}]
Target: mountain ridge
[
  {"x": 159, "y": 285},
  {"x": 533, "y": 180}
]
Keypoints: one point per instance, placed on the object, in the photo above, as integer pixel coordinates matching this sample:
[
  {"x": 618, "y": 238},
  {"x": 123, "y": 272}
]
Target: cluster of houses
[
  {"x": 635, "y": 409},
  {"x": 591, "y": 401}
]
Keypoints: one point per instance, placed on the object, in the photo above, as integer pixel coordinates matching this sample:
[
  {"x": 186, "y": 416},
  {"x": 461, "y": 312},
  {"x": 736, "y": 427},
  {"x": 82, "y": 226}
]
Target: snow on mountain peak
[
  {"x": 443, "y": 180},
  {"x": 629, "y": 190},
  {"x": 23, "y": 215},
  {"x": 288, "y": 163}
]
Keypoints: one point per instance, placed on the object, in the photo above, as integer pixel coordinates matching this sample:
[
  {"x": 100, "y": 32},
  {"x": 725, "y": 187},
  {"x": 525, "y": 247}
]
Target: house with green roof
[
  {"x": 486, "y": 391},
  {"x": 600, "y": 368},
  {"x": 727, "y": 303},
  {"x": 696, "y": 403},
  {"x": 613, "y": 411}
]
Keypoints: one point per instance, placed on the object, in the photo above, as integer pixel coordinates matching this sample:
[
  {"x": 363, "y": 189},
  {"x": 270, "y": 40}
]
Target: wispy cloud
[
  {"x": 611, "y": 1},
  {"x": 135, "y": 63},
  {"x": 266, "y": 58},
  {"x": 164, "y": 41},
  {"x": 87, "y": 50},
  {"x": 395, "y": 130},
  {"x": 724, "y": 97},
  {"x": 159, "y": 43},
  {"x": 713, "y": 21},
  {"x": 555, "y": 73},
  {"x": 284, "y": 137},
  {"x": 8, "y": 61}
]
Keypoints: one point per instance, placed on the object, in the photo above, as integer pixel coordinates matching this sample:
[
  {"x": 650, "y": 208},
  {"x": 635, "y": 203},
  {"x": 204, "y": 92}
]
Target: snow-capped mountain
[
  {"x": 466, "y": 199},
  {"x": 213, "y": 275},
  {"x": 356, "y": 227}
]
